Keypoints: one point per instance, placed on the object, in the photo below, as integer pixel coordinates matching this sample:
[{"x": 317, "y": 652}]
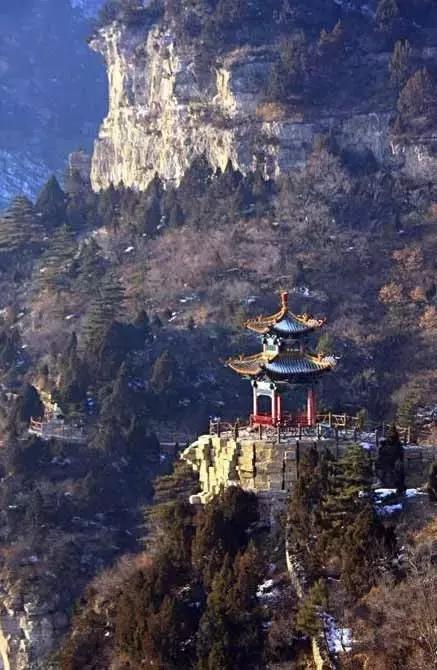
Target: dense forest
[{"x": 118, "y": 311}]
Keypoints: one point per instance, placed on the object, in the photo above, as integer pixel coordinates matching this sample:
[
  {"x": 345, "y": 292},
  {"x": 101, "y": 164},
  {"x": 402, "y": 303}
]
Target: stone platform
[{"x": 267, "y": 467}]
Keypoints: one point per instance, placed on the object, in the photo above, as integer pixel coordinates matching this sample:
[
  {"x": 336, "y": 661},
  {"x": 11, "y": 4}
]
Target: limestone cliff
[{"x": 170, "y": 103}]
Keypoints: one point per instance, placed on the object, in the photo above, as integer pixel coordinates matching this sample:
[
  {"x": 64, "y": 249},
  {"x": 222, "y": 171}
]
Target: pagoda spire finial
[{"x": 284, "y": 299}]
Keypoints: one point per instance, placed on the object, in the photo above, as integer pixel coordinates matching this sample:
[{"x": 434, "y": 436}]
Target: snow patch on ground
[
  {"x": 388, "y": 510},
  {"x": 267, "y": 591},
  {"x": 381, "y": 494},
  {"x": 412, "y": 493},
  {"x": 339, "y": 639}
]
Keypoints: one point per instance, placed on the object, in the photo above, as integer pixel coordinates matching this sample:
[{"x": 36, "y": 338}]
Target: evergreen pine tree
[
  {"x": 106, "y": 307},
  {"x": 18, "y": 227},
  {"x": 163, "y": 373},
  {"x": 108, "y": 206},
  {"x": 390, "y": 462},
  {"x": 57, "y": 262},
  {"x": 90, "y": 266},
  {"x": 27, "y": 406},
  {"x": 82, "y": 203},
  {"x": 109, "y": 438},
  {"x": 143, "y": 449},
  {"x": 363, "y": 545},
  {"x": 214, "y": 640},
  {"x": 309, "y": 616},
  {"x": 348, "y": 488},
  {"x": 153, "y": 216},
  {"x": 304, "y": 508},
  {"x": 400, "y": 62},
  {"x": 74, "y": 379},
  {"x": 351, "y": 477},
  {"x": 196, "y": 179},
  {"x": 51, "y": 205},
  {"x": 176, "y": 217},
  {"x": 416, "y": 96},
  {"x": 118, "y": 405}
]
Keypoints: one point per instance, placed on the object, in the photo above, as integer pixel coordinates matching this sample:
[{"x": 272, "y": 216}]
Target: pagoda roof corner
[
  {"x": 288, "y": 365},
  {"x": 283, "y": 322}
]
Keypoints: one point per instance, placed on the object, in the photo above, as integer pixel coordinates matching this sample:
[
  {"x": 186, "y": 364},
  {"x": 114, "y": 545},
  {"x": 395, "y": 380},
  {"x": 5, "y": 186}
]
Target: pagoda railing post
[
  {"x": 330, "y": 419},
  {"x": 299, "y": 428},
  {"x": 337, "y": 450},
  {"x": 260, "y": 429}
]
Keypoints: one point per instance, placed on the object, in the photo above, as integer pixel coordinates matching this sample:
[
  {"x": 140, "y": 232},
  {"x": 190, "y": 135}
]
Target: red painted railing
[
  {"x": 261, "y": 420},
  {"x": 287, "y": 420}
]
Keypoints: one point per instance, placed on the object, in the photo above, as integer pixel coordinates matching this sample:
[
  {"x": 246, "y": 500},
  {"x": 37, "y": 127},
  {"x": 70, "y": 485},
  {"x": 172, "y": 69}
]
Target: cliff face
[
  {"x": 29, "y": 630},
  {"x": 167, "y": 107},
  {"x": 171, "y": 101}
]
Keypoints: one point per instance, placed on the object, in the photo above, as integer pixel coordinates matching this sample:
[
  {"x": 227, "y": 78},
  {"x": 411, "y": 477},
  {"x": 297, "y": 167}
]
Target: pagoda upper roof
[
  {"x": 284, "y": 323},
  {"x": 291, "y": 366}
]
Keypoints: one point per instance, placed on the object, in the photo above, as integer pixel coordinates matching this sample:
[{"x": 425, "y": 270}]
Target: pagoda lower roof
[
  {"x": 284, "y": 323},
  {"x": 287, "y": 365}
]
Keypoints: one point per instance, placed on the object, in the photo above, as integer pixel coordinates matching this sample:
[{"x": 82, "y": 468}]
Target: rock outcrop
[
  {"x": 168, "y": 106},
  {"x": 265, "y": 466},
  {"x": 30, "y": 627}
]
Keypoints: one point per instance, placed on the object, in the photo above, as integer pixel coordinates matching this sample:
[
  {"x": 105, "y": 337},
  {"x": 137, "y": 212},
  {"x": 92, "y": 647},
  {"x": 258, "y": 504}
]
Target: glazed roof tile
[
  {"x": 287, "y": 365},
  {"x": 284, "y": 323}
]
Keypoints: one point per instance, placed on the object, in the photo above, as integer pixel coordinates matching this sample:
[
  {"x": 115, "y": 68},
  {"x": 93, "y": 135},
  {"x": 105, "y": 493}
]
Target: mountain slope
[{"x": 46, "y": 74}]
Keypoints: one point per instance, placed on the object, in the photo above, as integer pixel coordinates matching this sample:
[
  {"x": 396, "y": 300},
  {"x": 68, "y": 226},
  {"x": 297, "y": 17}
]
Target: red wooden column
[
  {"x": 274, "y": 407},
  {"x": 255, "y": 402},
  {"x": 279, "y": 409},
  {"x": 311, "y": 407}
]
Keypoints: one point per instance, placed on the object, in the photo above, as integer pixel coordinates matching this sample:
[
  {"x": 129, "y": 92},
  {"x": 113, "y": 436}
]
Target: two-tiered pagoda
[{"x": 283, "y": 362}]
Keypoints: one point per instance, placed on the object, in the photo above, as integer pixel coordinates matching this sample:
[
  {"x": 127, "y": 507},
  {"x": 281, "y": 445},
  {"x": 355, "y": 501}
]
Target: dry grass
[{"x": 272, "y": 111}]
